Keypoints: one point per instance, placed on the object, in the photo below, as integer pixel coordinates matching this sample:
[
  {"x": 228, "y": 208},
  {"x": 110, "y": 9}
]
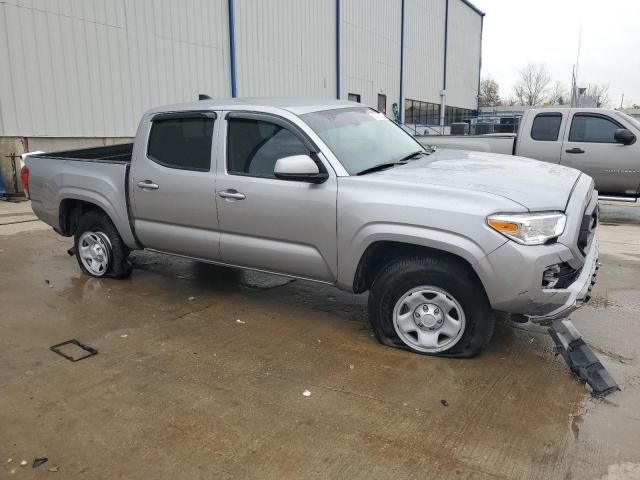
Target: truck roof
[
  {"x": 295, "y": 105},
  {"x": 567, "y": 107}
]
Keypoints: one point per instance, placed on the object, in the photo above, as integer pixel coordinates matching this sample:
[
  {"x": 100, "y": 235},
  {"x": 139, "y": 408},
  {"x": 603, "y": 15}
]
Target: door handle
[
  {"x": 232, "y": 194},
  {"x": 574, "y": 150},
  {"x": 148, "y": 185}
]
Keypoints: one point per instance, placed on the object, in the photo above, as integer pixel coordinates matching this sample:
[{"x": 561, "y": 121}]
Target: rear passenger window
[
  {"x": 255, "y": 146},
  {"x": 546, "y": 127},
  {"x": 183, "y": 143},
  {"x": 593, "y": 129}
]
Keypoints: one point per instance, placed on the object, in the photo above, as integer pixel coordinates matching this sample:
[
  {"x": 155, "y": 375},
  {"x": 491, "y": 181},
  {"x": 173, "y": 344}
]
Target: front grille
[{"x": 588, "y": 228}]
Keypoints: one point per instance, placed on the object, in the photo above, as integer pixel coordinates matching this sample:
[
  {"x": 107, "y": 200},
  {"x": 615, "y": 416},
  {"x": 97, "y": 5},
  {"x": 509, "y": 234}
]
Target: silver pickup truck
[
  {"x": 334, "y": 192},
  {"x": 600, "y": 142}
]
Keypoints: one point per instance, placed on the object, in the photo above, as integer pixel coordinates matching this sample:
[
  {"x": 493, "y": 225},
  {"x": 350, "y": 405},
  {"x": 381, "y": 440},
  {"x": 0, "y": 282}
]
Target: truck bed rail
[{"x": 110, "y": 154}]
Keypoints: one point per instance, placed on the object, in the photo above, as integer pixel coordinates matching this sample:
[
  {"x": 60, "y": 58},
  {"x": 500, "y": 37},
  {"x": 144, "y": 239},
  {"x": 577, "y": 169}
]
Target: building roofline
[{"x": 473, "y": 7}]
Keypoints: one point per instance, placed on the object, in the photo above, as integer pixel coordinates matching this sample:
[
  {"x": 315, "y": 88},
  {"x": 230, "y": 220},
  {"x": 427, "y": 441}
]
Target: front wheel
[
  {"x": 431, "y": 305},
  {"x": 99, "y": 249}
]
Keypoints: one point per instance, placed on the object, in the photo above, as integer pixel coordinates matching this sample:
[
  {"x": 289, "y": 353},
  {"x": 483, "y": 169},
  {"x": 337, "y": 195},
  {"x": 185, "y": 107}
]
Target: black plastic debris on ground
[
  {"x": 581, "y": 359},
  {"x": 89, "y": 351},
  {"x": 38, "y": 461}
]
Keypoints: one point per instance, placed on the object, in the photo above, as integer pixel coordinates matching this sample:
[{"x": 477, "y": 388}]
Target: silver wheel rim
[
  {"x": 94, "y": 249},
  {"x": 429, "y": 319}
]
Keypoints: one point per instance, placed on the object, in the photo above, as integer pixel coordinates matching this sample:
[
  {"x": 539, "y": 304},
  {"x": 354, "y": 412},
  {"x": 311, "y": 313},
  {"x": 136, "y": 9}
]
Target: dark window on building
[
  {"x": 421, "y": 113},
  {"x": 457, "y": 115},
  {"x": 546, "y": 127},
  {"x": 183, "y": 143},
  {"x": 353, "y": 97},
  {"x": 593, "y": 129},
  {"x": 254, "y": 147},
  {"x": 382, "y": 103}
]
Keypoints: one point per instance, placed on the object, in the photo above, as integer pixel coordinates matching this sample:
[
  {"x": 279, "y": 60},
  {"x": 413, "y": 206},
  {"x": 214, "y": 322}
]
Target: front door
[
  {"x": 173, "y": 183},
  {"x": 590, "y": 146},
  {"x": 275, "y": 225}
]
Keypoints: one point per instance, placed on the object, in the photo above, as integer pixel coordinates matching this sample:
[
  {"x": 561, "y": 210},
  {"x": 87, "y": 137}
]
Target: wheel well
[
  {"x": 379, "y": 254},
  {"x": 71, "y": 211}
]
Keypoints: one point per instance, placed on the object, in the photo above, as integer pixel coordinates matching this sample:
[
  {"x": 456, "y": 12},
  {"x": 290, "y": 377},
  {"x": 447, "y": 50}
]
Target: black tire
[
  {"x": 97, "y": 221},
  {"x": 455, "y": 278}
]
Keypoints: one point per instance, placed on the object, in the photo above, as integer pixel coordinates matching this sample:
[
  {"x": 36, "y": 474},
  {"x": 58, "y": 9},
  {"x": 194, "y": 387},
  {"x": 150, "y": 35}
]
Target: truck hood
[{"x": 535, "y": 185}]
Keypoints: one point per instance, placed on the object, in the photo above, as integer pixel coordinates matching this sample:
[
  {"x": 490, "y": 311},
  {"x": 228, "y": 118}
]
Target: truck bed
[
  {"x": 110, "y": 154},
  {"x": 98, "y": 176}
]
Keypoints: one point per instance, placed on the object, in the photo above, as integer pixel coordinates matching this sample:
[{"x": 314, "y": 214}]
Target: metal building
[{"x": 77, "y": 72}]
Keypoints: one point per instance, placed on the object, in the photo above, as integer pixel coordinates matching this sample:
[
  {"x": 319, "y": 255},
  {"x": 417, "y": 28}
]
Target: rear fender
[{"x": 116, "y": 211}]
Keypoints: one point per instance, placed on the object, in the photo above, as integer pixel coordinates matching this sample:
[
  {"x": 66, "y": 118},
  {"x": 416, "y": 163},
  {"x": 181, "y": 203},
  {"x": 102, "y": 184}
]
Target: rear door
[
  {"x": 541, "y": 137},
  {"x": 266, "y": 223},
  {"x": 590, "y": 146},
  {"x": 172, "y": 185}
]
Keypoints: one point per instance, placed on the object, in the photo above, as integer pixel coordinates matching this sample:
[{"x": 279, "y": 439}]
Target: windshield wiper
[
  {"x": 402, "y": 161},
  {"x": 411, "y": 155},
  {"x": 381, "y": 166}
]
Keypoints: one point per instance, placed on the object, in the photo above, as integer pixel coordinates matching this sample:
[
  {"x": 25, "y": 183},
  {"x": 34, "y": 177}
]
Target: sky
[{"x": 517, "y": 32}]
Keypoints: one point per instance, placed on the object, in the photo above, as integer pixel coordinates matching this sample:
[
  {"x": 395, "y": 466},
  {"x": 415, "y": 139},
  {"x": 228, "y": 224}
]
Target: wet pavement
[{"x": 201, "y": 372}]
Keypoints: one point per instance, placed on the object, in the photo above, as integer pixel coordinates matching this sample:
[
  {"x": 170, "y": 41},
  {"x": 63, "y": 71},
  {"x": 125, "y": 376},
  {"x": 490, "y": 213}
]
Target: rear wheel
[
  {"x": 431, "y": 305},
  {"x": 99, "y": 249}
]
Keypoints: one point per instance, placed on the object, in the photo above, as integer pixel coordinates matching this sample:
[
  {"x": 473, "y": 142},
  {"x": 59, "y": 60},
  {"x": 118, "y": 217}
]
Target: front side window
[
  {"x": 592, "y": 129},
  {"x": 254, "y": 147},
  {"x": 546, "y": 127},
  {"x": 361, "y": 138},
  {"x": 183, "y": 143}
]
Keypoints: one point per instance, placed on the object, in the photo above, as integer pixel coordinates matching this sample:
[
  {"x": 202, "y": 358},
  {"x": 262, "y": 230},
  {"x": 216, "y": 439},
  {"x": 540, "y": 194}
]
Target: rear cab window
[
  {"x": 546, "y": 127},
  {"x": 182, "y": 141}
]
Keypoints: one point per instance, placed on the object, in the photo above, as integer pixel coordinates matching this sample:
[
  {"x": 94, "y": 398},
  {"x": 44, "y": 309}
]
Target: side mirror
[
  {"x": 300, "y": 168},
  {"x": 624, "y": 136}
]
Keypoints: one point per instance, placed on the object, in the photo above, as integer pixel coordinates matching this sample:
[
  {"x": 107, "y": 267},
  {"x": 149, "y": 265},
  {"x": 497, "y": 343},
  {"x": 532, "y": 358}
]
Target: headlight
[{"x": 529, "y": 228}]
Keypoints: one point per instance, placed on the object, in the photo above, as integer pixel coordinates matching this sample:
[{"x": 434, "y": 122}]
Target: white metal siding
[
  {"x": 463, "y": 56},
  {"x": 370, "y": 50},
  {"x": 286, "y": 48},
  {"x": 91, "y": 67},
  {"x": 424, "y": 49}
]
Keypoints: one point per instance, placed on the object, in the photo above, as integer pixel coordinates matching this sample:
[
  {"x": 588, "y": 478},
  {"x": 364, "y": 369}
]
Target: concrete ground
[{"x": 201, "y": 372}]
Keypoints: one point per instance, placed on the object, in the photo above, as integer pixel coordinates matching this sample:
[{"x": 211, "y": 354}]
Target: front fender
[{"x": 456, "y": 244}]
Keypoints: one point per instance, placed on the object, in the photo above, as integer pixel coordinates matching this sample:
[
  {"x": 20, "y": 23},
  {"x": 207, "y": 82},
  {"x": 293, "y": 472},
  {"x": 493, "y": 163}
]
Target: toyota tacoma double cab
[{"x": 334, "y": 192}]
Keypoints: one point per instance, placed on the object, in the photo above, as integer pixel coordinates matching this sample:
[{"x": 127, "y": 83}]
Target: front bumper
[
  {"x": 513, "y": 276},
  {"x": 579, "y": 292}
]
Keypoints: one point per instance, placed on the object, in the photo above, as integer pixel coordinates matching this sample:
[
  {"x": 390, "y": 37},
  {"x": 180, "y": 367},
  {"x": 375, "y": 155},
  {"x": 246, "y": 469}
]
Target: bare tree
[
  {"x": 599, "y": 93},
  {"x": 558, "y": 95},
  {"x": 531, "y": 87},
  {"x": 489, "y": 93}
]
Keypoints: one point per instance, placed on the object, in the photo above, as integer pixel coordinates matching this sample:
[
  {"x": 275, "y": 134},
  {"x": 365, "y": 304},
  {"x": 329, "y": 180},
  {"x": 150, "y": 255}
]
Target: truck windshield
[
  {"x": 361, "y": 138},
  {"x": 633, "y": 121}
]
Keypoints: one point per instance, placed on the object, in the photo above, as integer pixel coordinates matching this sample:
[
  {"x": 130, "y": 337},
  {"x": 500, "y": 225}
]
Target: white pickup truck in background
[{"x": 600, "y": 142}]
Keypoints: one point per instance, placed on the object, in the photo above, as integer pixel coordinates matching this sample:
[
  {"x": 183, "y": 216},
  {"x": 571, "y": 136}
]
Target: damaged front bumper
[
  {"x": 515, "y": 284},
  {"x": 578, "y": 293}
]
